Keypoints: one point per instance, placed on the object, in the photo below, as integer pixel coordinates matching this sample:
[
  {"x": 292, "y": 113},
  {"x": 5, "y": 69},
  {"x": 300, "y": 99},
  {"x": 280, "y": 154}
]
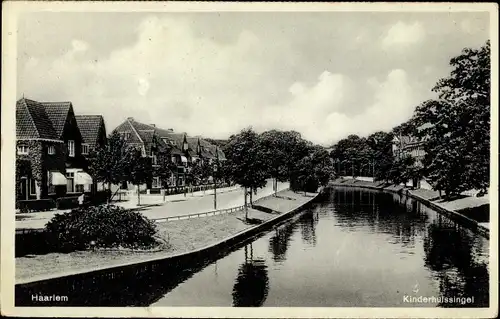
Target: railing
[{"x": 213, "y": 212}]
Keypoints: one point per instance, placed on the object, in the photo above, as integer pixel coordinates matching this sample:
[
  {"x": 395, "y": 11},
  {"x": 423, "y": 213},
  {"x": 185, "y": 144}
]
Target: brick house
[
  {"x": 184, "y": 150},
  {"x": 49, "y": 160},
  {"x": 40, "y": 153},
  {"x": 93, "y": 131}
]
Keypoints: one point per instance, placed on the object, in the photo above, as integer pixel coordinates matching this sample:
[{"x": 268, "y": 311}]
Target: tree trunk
[
  {"x": 246, "y": 208},
  {"x": 138, "y": 195},
  {"x": 275, "y": 187},
  {"x": 251, "y": 197},
  {"x": 109, "y": 188},
  {"x": 164, "y": 191}
]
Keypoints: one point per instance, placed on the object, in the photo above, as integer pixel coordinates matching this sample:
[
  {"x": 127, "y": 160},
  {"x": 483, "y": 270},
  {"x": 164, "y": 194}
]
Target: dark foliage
[{"x": 101, "y": 226}]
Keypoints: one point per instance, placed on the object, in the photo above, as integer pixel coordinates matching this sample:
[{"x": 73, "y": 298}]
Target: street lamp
[{"x": 215, "y": 178}]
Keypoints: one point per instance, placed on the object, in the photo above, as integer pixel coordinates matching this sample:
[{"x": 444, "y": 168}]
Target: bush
[
  {"x": 105, "y": 226},
  {"x": 35, "y": 205},
  {"x": 67, "y": 202}
]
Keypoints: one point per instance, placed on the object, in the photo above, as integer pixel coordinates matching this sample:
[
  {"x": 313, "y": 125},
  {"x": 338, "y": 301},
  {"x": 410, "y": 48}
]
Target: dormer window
[
  {"x": 22, "y": 150},
  {"x": 51, "y": 150},
  {"x": 125, "y": 135}
]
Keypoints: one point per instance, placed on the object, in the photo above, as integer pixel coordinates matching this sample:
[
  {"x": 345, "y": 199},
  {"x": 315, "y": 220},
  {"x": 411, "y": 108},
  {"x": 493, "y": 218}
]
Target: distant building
[
  {"x": 403, "y": 145},
  {"x": 184, "y": 150},
  {"x": 409, "y": 145}
]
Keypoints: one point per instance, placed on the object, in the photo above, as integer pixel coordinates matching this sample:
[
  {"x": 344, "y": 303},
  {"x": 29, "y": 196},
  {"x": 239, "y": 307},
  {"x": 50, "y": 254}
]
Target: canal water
[{"x": 355, "y": 248}]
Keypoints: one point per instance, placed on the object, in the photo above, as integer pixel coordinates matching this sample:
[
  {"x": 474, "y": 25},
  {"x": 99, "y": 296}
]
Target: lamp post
[{"x": 215, "y": 178}]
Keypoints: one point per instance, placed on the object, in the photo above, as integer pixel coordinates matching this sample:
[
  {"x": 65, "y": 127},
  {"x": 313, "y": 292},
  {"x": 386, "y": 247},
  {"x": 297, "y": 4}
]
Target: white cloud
[
  {"x": 178, "y": 80},
  {"x": 316, "y": 111},
  {"x": 402, "y": 35}
]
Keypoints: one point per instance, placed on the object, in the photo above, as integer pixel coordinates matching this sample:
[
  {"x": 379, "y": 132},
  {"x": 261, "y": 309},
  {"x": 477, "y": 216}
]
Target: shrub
[
  {"x": 105, "y": 226},
  {"x": 67, "y": 202},
  {"x": 35, "y": 205}
]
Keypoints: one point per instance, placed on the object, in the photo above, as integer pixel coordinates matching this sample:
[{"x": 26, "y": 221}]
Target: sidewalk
[
  {"x": 466, "y": 202},
  {"x": 175, "y": 205}
]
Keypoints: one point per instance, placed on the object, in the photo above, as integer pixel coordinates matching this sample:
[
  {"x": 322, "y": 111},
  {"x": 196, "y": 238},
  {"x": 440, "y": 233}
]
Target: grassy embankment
[{"x": 178, "y": 236}]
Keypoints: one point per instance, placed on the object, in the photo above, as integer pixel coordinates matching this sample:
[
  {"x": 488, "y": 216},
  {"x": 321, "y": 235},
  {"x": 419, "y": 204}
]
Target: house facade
[
  {"x": 184, "y": 150},
  {"x": 93, "y": 131},
  {"x": 409, "y": 145},
  {"x": 49, "y": 161}
]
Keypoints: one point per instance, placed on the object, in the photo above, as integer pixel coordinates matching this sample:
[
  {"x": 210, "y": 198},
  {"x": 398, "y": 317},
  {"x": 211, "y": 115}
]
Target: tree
[
  {"x": 164, "y": 168},
  {"x": 245, "y": 156},
  {"x": 109, "y": 164},
  {"x": 457, "y": 125},
  {"x": 140, "y": 170},
  {"x": 351, "y": 154},
  {"x": 275, "y": 146},
  {"x": 322, "y": 164},
  {"x": 303, "y": 176},
  {"x": 402, "y": 170},
  {"x": 382, "y": 156}
]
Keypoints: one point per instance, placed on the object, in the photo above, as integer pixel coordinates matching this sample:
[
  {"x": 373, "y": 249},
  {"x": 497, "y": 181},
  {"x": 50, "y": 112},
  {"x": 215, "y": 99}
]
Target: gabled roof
[
  {"x": 32, "y": 121},
  {"x": 128, "y": 127},
  {"x": 145, "y": 133},
  {"x": 89, "y": 126},
  {"x": 57, "y": 113}
]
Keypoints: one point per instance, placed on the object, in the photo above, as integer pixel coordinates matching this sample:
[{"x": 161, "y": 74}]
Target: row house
[
  {"x": 409, "y": 145},
  {"x": 184, "y": 150},
  {"x": 50, "y": 155},
  {"x": 403, "y": 145},
  {"x": 93, "y": 131}
]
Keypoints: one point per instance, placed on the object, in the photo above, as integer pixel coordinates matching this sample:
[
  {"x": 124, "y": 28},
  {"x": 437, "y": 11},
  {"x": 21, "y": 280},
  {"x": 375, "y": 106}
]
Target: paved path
[{"x": 174, "y": 206}]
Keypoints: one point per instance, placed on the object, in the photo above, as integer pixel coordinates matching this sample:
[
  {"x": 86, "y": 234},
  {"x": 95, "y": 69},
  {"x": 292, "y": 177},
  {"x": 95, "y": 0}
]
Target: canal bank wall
[
  {"x": 401, "y": 190},
  {"x": 80, "y": 281}
]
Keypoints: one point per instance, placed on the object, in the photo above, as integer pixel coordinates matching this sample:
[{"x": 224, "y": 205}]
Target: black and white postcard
[{"x": 218, "y": 159}]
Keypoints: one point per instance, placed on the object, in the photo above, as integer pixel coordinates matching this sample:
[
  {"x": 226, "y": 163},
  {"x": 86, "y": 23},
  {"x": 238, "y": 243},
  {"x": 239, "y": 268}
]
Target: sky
[{"x": 323, "y": 74}]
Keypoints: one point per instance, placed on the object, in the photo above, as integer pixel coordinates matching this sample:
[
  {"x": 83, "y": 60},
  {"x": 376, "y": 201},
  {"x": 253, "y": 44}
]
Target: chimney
[
  {"x": 130, "y": 118},
  {"x": 170, "y": 129},
  {"x": 153, "y": 125}
]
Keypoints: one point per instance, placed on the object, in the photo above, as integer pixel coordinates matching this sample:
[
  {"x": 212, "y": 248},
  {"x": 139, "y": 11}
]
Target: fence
[
  {"x": 213, "y": 212},
  {"x": 184, "y": 189}
]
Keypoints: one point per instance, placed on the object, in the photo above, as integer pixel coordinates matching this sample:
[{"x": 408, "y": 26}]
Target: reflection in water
[
  {"x": 448, "y": 252},
  {"x": 252, "y": 283},
  {"x": 308, "y": 222},
  {"x": 280, "y": 241},
  {"x": 382, "y": 212},
  {"x": 354, "y": 248}
]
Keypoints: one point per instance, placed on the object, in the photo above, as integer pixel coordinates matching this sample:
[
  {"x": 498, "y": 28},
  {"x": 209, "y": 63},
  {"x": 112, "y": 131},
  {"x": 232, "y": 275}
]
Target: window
[
  {"x": 79, "y": 188},
  {"x": 156, "y": 182},
  {"x": 71, "y": 148},
  {"x": 125, "y": 135},
  {"x": 85, "y": 149},
  {"x": 32, "y": 187},
  {"x": 22, "y": 150},
  {"x": 51, "y": 150},
  {"x": 154, "y": 159}
]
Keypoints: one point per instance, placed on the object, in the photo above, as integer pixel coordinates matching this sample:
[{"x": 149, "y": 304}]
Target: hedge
[
  {"x": 67, "y": 202},
  {"x": 35, "y": 205}
]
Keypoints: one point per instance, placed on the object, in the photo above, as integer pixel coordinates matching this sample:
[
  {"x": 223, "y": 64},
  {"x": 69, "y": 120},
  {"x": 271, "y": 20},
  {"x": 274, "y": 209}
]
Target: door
[
  {"x": 70, "y": 184},
  {"x": 23, "y": 189}
]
